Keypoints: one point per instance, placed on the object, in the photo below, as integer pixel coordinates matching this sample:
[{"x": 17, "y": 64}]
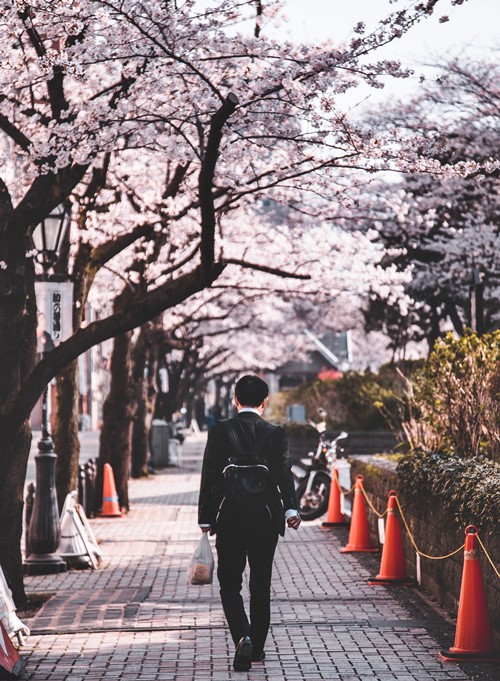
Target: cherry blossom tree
[
  {"x": 186, "y": 117},
  {"x": 445, "y": 227}
]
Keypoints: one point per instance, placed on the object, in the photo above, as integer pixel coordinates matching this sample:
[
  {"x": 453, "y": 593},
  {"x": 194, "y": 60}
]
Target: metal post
[
  {"x": 44, "y": 532},
  {"x": 476, "y": 303},
  {"x": 90, "y": 473}
]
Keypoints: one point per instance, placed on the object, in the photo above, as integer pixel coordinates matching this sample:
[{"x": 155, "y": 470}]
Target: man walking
[{"x": 245, "y": 532}]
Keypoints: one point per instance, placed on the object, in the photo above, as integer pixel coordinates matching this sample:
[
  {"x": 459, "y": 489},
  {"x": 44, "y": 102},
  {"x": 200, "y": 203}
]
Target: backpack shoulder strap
[{"x": 232, "y": 434}]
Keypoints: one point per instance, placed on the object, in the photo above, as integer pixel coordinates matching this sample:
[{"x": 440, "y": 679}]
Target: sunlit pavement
[{"x": 136, "y": 618}]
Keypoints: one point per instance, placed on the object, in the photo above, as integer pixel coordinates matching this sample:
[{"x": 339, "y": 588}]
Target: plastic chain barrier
[
  {"x": 380, "y": 515},
  {"x": 487, "y": 554},
  {"x": 420, "y": 553},
  {"x": 343, "y": 491},
  {"x": 346, "y": 492}
]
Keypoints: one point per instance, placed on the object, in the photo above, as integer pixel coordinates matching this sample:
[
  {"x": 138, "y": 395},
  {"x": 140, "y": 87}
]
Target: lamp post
[{"x": 44, "y": 532}]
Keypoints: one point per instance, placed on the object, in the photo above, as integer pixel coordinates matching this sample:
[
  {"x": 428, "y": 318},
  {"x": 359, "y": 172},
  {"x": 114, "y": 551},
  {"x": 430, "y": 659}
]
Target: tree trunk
[
  {"x": 17, "y": 358},
  {"x": 140, "y": 433},
  {"x": 145, "y": 366},
  {"x": 65, "y": 434},
  {"x": 15, "y": 452},
  {"x": 117, "y": 414},
  {"x": 139, "y": 452}
]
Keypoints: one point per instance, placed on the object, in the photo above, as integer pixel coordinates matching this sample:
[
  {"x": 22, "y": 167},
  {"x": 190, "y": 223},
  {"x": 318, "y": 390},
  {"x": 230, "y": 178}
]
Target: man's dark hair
[{"x": 251, "y": 391}]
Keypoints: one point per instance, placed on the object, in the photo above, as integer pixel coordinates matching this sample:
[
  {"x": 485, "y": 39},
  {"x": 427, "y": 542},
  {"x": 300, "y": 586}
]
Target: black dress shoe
[
  {"x": 258, "y": 656},
  {"x": 243, "y": 656}
]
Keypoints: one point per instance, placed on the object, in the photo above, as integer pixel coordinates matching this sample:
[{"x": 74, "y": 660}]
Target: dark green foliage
[
  {"x": 356, "y": 401},
  {"x": 468, "y": 488},
  {"x": 367, "y": 397}
]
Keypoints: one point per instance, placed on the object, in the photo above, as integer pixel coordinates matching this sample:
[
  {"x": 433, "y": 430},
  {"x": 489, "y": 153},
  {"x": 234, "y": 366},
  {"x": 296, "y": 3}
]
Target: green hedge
[{"x": 469, "y": 488}]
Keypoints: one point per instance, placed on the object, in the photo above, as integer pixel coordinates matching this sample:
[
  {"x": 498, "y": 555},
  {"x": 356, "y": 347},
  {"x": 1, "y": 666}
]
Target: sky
[{"x": 473, "y": 28}]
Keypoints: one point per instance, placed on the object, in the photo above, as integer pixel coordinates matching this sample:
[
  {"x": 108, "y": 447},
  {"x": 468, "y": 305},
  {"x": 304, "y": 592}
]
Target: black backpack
[{"x": 246, "y": 476}]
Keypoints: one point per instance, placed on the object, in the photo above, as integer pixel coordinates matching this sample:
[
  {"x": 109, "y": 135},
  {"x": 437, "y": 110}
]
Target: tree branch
[
  {"x": 264, "y": 268},
  {"x": 206, "y": 181},
  {"x": 47, "y": 192},
  {"x": 6, "y": 209},
  {"x": 145, "y": 307},
  {"x": 55, "y": 85},
  {"x": 105, "y": 252},
  {"x": 14, "y": 133}
]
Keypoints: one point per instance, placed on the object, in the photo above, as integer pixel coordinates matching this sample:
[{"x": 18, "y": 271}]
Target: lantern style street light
[
  {"x": 44, "y": 531},
  {"x": 48, "y": 236}
]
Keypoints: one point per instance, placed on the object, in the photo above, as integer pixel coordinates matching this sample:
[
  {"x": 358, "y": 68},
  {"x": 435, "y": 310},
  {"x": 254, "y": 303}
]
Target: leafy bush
[
  {"x": 468, "y": 489},
  {"x": 367, "y": 397},
  {"x": 457, "y": 395},
  {"x": 353, "y": 402}
]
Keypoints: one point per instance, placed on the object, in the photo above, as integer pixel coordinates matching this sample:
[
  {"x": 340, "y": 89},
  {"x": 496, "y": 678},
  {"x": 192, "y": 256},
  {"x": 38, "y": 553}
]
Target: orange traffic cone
[
  {"x": 359, "y": 535},
  {"x": 473, "y": 636},
  {"x": 392, "y": 564},
  {"x": 10, "y": 660},
  {"x": 334, "y": 516},
  {"x": 110, "y": 506}
]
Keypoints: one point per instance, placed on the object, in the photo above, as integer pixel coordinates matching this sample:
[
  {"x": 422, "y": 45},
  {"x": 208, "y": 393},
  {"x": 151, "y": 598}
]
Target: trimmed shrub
[{"x": 469, "y": 489}]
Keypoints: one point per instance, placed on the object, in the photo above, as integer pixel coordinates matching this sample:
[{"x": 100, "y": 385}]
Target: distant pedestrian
[
  {"x": 247, "y": 531},
  {"x": 210, "y": 418}
]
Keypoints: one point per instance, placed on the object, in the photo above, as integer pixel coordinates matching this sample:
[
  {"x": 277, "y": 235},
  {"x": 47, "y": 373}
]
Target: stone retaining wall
[{"x": 435, "y": 534}]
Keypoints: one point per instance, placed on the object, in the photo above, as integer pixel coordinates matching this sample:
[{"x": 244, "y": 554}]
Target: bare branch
[
  {"x": 206, "y": 181},
  {"x": 264, "y": 268},
  {"x": 14, "y": 133}
]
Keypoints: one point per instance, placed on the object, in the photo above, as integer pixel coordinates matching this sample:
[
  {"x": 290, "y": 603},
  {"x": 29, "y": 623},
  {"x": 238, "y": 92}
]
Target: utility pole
[{"x": 476, "y": 289}]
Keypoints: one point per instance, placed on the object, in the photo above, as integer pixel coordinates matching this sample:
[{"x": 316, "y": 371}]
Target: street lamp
[
  {"x": 48, "y": 235},
  {"x": 44, "y": 532}
]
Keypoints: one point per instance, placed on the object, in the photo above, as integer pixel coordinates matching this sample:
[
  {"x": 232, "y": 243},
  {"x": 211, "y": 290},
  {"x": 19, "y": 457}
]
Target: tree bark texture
[
  {"x": 17, "y": 357},
  {"x": 117, "y": 413},
  {"x": 141, "y": 424},
  {"x": 14, "y": 456},
  {"x": 65, "y": 433},
  {"x": 140, "y": 434}
]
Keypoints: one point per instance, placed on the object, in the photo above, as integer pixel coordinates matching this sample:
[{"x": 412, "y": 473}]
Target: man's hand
[
  {"x": 294, "y": 522},
  {"x": 205, "y": 528}
]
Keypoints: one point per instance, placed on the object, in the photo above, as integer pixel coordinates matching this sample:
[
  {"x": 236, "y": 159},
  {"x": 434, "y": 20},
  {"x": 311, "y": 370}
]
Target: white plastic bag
[{"x": 201, "y": 565}]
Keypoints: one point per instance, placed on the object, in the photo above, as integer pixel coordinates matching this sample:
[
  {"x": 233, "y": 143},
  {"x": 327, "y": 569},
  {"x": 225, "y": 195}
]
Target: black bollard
[
  {"x": 89, "y": 488},
  {"x": 82, "y": 486},
  {"x": 28, "y": 511}
]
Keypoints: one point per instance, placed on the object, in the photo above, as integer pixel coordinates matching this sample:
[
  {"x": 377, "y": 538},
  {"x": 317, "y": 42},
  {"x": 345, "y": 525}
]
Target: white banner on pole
[{"x": 54, "y": 301}]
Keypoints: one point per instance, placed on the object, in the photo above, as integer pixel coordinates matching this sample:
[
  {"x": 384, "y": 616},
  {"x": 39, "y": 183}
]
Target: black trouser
[{"x": 243, "y": 534}]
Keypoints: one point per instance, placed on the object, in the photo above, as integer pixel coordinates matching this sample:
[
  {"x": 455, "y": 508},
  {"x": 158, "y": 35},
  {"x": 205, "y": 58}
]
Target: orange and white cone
[
  {"x": 110, "y": 505},
  {"x": 473, "y": 636},
  {"x": 359, "y": 535},
  {"x": 334, "y": 515},
  {"x": 392, "y": 563}
]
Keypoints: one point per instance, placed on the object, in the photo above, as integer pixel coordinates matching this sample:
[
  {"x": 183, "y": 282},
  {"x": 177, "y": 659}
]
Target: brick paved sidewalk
[{"x": 135, "y": 618}]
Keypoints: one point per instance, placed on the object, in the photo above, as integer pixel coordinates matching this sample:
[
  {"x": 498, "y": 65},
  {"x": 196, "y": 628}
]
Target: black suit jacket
[{"x": 249, "y": 427}]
